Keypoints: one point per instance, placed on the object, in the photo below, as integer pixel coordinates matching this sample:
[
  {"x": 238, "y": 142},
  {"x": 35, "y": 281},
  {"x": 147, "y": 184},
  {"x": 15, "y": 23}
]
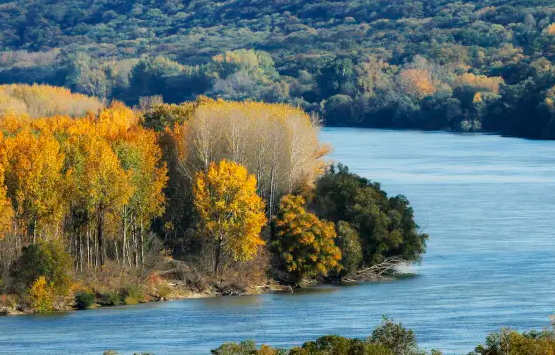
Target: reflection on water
[{"x": 488, "y": 204}]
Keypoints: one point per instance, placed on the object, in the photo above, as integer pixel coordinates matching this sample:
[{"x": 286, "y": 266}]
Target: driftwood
[{"x": 384, "y": 267}]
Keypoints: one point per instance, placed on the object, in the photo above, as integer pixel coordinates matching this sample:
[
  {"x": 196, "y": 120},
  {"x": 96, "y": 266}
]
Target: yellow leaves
[
  {"x": 417, "y": 82},
  {"x": 59, "y": 164},
  {"x": 277, "y": 143},
  {"x": 115, "y": 120},
  {"x": 229, "y": 208},
  {"x": 305, "y": 242},
  {"x": 477, "y": 98},
  {"x": 480, "y": 82},
  {"x": 45, "y": 101},
  {"x": 107, "y": 185},
  {"x": 33, "y": 176},
  {"x": 41, "y": 295}
]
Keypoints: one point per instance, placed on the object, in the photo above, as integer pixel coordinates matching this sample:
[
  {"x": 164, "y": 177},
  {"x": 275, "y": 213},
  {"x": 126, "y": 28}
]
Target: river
[{"x": 488, "y": 204}]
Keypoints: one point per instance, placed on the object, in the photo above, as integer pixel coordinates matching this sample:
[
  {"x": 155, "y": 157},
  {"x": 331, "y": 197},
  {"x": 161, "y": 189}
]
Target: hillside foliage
[{"x": 441, "y": 64}]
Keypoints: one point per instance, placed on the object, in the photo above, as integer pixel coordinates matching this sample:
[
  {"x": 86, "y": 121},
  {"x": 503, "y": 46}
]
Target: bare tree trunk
[
  {"x": 218, "y": 257},
  {"x": 100, "y": 235}
]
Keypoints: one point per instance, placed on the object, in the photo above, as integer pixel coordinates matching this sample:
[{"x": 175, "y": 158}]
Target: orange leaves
[
  {"x": 230, "y": 210},
  {"x": 417, "y": 82},
  {"x": 115, "y": 120},
  {"x": 550, "y": 30},
  {"x": 304, "y": 242}
]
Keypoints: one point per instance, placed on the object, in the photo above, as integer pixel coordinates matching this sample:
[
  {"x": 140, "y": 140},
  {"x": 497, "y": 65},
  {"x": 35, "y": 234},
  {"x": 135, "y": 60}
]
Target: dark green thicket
[
  {"x": 47, "y": 259},
  {"x": 386, "y": 226}
]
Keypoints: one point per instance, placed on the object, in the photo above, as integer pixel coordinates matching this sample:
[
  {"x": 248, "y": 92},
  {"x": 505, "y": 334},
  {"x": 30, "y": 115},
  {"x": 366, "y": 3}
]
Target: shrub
[
  {"x": 394, "y": 336},
  {"x": 244, "y": 348},
  {"x": 41, "y": 296},
  {"x": 110, "y": 298},
  {"x": 163, "y": 290},
  {"x": 133, "y": 294},
  {"x": 84, "y": 299},
  {"x": 48, "y": 260}
]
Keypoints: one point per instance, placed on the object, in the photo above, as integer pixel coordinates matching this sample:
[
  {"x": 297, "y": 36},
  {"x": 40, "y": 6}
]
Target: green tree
[
  {"x": 48, "y": 260},
  {"x": 386, "y": 225}
]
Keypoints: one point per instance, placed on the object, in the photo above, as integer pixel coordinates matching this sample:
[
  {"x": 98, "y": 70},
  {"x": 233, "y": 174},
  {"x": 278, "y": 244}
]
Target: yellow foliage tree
[
  {"x": 6, "y": 210},
  {"x": 41, "y": 296},
  {"x": 417, "y": 82},
  {"x": 480, "y": 82},
  {"x": 107, "y": 186},
  {"x": 230, "y": 211},
  {"x": 44, "y": 101},
  {"x": 34, "y": 180},
  {"x": 277, "y": 143},
  {"x": 305, "y": 243}
]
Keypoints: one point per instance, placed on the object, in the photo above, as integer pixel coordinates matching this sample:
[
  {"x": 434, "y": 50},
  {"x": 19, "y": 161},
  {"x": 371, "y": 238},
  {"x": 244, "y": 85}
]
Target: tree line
[
  {"x": 233, "y": 191},
  {"x": 477, "y": 66},
  {"x": 390, "y": 338}
]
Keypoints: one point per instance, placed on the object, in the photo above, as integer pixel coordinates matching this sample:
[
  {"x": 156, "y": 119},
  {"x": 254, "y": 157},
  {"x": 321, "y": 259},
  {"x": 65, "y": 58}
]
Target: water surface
[{"x": 489, "y": 205}]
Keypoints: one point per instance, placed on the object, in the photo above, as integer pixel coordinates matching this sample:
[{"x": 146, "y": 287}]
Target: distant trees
[
  {"x": 231, "y": 214},
  {"x": 402, "y": 65}
]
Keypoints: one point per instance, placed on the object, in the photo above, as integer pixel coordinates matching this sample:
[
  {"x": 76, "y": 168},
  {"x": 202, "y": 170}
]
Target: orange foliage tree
[{"x": 417, "y": 82}]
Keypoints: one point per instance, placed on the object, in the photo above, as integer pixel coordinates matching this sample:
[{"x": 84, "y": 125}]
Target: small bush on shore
[
  {"x": 110, "y": 298},
  {"x": 84, "y": 299},
  {"x": 133, "y": 294},
  {"x": 41, "y": 296}
]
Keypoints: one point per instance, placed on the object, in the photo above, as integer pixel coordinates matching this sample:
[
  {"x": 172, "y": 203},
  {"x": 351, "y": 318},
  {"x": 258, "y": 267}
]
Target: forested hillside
[{"x": 438, "y": 64}]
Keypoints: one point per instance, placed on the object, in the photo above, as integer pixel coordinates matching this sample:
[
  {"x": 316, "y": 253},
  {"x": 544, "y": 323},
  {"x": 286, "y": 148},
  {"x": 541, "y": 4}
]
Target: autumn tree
[
  {"x": 417, "y": 82},
  {"x": 6, "y": 209},
  {"x": 230, "y": 211},
  {"x": 34, "y": 181},
  {"x": 304, "y": 243},
  {"x": 277, "y": 143}
]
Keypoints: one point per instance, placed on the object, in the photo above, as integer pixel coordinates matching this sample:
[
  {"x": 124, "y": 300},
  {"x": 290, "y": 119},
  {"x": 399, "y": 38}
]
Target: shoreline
[{"x": 184, "y": 294}]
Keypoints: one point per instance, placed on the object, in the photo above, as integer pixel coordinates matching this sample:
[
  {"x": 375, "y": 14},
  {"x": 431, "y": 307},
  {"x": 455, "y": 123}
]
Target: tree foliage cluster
[
  {"x": 278, "y": 145},
  {"x": 88, "y": 186},
  {"x": 441, "y": 64},
  {"x": 391, "y": 338},
  {"x": 231, "y": 188}
]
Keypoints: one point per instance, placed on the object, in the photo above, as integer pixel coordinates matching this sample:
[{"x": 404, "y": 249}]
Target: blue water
[{"x": 488, "y": 204}]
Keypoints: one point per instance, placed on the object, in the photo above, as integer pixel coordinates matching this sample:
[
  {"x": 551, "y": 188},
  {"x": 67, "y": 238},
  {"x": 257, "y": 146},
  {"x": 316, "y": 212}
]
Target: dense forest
[
  {"x": 103, "y": 204},
  {"x": 465, "y": 66}
]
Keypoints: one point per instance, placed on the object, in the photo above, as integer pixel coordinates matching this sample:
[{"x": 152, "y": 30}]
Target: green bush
[
  {"x": 110, "y": 298},
  {"x": 244, "y": 348},
  {"x": 133, "y": 294},
  {"x": 163, "y": 291},
  {"x": 84, "y": 299},
  {"x": 45, "y": 259}
]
